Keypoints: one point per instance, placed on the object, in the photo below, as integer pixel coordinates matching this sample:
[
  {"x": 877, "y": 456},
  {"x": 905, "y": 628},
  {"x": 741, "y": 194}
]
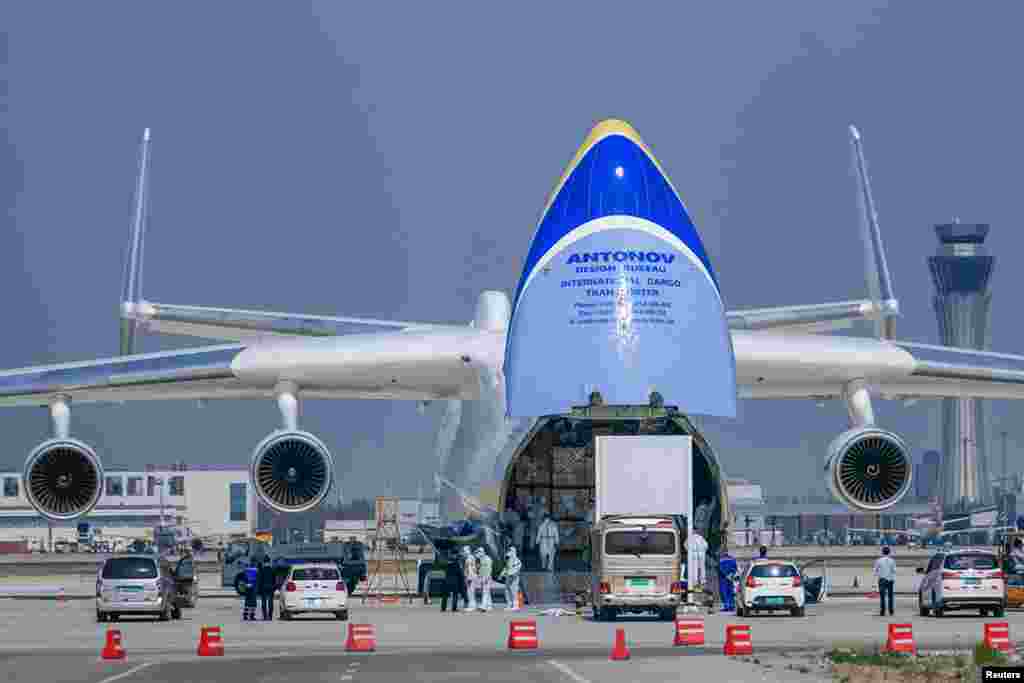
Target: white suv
[
  {"x": 314, "y": 588},
  {"x": 769, "y": 585},
  {"x": 962, "y": 579}
]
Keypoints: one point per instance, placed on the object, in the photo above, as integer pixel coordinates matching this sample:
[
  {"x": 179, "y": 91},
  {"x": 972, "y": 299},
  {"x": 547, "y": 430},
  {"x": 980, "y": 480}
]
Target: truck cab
[{"x": 637, "y": 567}]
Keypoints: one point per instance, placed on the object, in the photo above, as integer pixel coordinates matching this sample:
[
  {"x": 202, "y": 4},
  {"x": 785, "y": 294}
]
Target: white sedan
[
  {"x": 315, "y": 588},
  {"x": 770, "y": 585}
]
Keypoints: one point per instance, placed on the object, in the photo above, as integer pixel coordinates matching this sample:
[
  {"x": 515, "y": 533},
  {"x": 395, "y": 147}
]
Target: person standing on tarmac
[
  {"x": 485, "y": 578},
  {"x": 513, "y": 565},
  {"x": 454, "y": 584},
  {"x": 251, "y": 589},
  {"x": 267, "y": 581},
  {"x": 726, "y": 575},
  {"x": 885, "y": 570},
  {"x": 469, "y": 571}
]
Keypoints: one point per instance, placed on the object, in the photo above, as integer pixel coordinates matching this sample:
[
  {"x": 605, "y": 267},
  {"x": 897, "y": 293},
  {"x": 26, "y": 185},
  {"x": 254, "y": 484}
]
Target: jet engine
[
  {"x": 63, "y": 479},
  {"x": 291, "y": 471},
  {"x": 868, "y": 469}
]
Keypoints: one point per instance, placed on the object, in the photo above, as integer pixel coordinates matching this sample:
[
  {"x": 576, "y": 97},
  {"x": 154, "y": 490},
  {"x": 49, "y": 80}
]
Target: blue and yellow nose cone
[{"x": 617, "y": 294}]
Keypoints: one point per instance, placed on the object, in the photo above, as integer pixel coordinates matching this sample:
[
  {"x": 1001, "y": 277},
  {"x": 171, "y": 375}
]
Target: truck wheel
[
  {"x": 342, "y": 615},
  {"x": 797, "y": 611},
  {"x": 286, "y": 616},
  {"x": 100, "y": 617},
  {"x": 176, "y": 613},
  {"x": 1000, "y": 612}
]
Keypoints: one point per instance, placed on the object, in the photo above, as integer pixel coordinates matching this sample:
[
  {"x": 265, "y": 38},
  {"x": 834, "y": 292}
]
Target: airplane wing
[
  {"x": 445, "y": 364},
  {"x": 413, "y": 365},
  {"x": 820, "y": 367},
  {"x": 247, "y": 325}
]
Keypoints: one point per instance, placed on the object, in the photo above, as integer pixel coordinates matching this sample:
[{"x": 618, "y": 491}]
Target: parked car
[
  {"x": 770, "y": 585},
  {"x": 136, "y": 584},
  {"x": 964, "y": 579},
  {"x": 313, "y": 588}
]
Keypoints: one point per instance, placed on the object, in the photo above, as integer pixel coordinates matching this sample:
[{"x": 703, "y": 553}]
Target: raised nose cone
[
  {"x": 617, "y": 294},
  {"x": 612, "y": 173}
]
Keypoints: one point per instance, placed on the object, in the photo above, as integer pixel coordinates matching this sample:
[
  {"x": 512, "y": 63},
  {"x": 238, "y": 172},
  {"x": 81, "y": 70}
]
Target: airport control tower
[{"x": 961, "y": 270}]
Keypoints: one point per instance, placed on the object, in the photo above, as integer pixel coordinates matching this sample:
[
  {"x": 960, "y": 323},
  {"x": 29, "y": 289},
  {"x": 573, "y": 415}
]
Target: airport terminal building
[{"x": 206, "y": 501}]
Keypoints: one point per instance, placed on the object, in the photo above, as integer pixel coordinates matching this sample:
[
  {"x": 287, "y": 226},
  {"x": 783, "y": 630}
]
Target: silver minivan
[{"x": 136, "y": 584}]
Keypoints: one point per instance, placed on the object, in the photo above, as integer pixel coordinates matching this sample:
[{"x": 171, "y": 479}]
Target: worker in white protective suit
[
  {"x": 470, "y": 571},
  {"x": 513, "y": 565},
  {"x": 697, "y": 551},
  {"x": 547, "y": 541},
  {"x": 484, "y": 579}
]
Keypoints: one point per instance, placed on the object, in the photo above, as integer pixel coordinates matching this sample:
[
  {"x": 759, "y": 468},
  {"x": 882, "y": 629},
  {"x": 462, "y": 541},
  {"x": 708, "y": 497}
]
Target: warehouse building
[{"x": 204, "y": 501}]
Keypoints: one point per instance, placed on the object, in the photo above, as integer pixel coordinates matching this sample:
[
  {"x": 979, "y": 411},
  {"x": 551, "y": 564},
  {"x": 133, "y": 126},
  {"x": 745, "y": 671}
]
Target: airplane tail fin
[
  {"x": 131, "y": 294},
  {"x": 876, "y": 269}
]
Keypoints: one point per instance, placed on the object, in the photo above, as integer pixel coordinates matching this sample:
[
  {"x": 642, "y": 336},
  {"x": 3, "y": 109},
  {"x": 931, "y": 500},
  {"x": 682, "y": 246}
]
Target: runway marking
[
  {"x": 568, "y": 672},
  {"x": 129, "y": 672}
]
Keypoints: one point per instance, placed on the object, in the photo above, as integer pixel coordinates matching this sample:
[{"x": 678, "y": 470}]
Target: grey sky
[{"x": 391, "y": 160}]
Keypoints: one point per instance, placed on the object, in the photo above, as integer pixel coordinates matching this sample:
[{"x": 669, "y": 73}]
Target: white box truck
[{"x": 643, "y": 484}]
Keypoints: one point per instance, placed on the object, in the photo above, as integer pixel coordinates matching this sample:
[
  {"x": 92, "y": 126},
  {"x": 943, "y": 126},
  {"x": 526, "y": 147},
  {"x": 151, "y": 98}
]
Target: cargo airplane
[{"x": 618, "y": 304}]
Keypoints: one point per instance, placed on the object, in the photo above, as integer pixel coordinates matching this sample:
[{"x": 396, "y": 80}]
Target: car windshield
[
  {"x": 315, "y": 574},
  {"x": 962, "y": 562},
  {"x": 640, "y": 543},
  {"x": 773, "y": 571},
  {"x": 129, "y": 568}
]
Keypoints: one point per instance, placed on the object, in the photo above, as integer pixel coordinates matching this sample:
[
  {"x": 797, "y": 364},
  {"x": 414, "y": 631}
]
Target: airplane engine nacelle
[
  {"x": 63, "y": 479},
  {"x": 291, "y": 471},
  {"x": 868, "y": 469}
]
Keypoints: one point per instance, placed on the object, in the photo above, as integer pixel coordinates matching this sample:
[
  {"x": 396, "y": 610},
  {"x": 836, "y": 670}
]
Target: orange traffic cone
[
  {"x": 737, "y": 640},
  {"x": 522, "y": 634},
  {"x": 997, "y": 636},
  {"x": 210, "y": 642},
  {"x": 900, "y": 639},
  {"x": 113, "y": 648},
  {"x": 689, "y": 632},
  {"x": 620, "y": 652},
  {"x": 361, "y": 638}
]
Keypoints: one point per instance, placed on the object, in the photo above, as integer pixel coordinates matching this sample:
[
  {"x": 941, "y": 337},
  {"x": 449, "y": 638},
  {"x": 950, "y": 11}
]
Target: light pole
[
  {"x": 159, "y": 481},
  {"x": 1005, "y": 473}
]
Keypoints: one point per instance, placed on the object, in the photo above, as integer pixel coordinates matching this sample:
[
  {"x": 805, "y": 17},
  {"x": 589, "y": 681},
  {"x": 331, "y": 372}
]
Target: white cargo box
[{"x": 643, "y": 475}]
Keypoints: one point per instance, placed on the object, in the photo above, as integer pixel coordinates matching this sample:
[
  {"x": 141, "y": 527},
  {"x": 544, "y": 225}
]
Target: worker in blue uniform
[
  {"x": 249, "y": 601},
  {"x": 726, "y": 575}
]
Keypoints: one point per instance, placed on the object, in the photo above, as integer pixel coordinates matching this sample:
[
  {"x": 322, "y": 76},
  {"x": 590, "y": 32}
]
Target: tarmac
[{"x": 60, "y": 641}]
